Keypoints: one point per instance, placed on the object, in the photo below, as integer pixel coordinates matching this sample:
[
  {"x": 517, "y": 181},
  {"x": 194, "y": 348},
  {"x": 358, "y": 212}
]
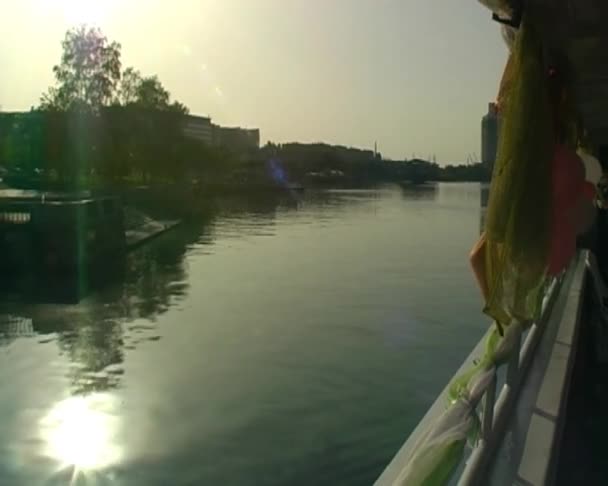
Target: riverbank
[
  {"x": 138, "y": 236},
  {"x": 141, "y": 228}
]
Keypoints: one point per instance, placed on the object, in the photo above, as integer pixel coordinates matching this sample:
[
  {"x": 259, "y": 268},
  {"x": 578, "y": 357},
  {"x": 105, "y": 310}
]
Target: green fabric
[
  {"x": 441, "y": 448},
  {"x": 436, "y": 465},
  {"x": 518, "y": 222}
]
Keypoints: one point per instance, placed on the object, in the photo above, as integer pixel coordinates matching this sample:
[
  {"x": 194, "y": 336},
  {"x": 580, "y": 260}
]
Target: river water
[{"x": 293, "y": 340}]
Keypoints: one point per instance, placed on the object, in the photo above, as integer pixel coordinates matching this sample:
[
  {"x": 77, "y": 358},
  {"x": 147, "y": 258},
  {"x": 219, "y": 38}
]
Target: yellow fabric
[
  {"x": 505, "y": 83},
  {"x": 518, "y": 223}
]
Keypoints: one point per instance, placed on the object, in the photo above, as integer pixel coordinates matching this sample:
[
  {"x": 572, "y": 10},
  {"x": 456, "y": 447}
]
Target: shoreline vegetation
[{"x": 102, "y": 127}]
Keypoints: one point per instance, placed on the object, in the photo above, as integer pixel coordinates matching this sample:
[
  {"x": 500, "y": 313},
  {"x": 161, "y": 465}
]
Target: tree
[
  {"x": 178, "y": 107},
  {"x": 151, "y": 94},
  {"x": 99, "y": 124},
  {"x": 127, "y": 89},
  {"x": 145, "y": 92},
  {"x": 88, "y": 73}
]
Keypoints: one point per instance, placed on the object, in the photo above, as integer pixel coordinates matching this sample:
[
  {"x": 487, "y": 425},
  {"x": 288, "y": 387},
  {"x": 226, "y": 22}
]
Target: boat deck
[{"x": 582, "y": 456}]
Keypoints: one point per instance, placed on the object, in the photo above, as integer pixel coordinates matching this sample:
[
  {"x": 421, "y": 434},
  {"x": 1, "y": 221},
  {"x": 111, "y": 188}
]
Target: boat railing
[
  {"x": 498, "y": 406},
  {"x": 428, "y": 457}
]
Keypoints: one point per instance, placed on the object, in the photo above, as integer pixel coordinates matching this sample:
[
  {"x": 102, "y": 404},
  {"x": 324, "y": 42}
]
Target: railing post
[
  {"x": 513, "y": 366},
  {"x": 488, "y": 410}
]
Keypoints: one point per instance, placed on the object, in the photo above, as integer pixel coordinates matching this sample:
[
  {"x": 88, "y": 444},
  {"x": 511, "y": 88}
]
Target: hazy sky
[{"x": 415, "y": 75}]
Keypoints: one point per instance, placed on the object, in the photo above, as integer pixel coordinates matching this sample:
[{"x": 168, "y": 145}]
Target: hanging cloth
[{"x": 518, "y": 222}]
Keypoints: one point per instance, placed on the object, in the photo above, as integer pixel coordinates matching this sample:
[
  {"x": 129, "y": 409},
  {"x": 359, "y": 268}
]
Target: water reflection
[
  {"x": 13, "y": 327},
  {"x": 256, "y": 206},
  {"x": 484, "y": 197},
  {"x": 79, "y": 433},
  {"x": 202, "y": 338},
  {"x": 131, "y": 294},
  {"x": 457, "y": 194},
  {"x": 423, "y": 192},
  {"x": 94, "y": 334},
  {"x": 33, "y": 287}
]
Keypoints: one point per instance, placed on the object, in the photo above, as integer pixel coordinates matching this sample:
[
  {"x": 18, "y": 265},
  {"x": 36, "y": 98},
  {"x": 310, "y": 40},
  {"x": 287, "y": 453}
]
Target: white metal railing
[
  {"x": 498, "y": 407},
  {"x": 497, "y": 404}
]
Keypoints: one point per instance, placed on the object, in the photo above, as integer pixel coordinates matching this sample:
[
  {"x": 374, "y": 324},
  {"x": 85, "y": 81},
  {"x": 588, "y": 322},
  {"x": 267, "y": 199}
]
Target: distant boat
[
  {"x": 265, "y": 187},
  {"x": 408, "y": 184},
  {"x": 331, "y": 176}
]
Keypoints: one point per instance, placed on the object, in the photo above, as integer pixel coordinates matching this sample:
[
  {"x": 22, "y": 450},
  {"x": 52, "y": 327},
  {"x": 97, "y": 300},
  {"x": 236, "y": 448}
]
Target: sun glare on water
[{"x": 79, "y": 432}]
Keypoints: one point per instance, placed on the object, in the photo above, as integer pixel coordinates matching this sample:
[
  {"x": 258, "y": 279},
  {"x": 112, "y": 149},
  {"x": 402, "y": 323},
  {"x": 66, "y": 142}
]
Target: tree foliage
[
  {"x": 98, "y": 123},
  {"x": 128, "y": 87},
  {"x": 88, "y": 73},
  {"x": 89, "y": 77},
  {"x": 151, "y": 94},
  {"x": 145, "y": 92}
]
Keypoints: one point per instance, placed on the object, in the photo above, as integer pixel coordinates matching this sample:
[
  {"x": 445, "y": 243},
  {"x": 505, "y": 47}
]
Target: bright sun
[{"x": 90, "y": 12}]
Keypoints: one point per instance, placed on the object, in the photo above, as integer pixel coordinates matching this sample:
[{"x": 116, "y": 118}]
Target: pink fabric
[
  {"x": 589, "y": 191},
  {"x": 568, "y": 180}
]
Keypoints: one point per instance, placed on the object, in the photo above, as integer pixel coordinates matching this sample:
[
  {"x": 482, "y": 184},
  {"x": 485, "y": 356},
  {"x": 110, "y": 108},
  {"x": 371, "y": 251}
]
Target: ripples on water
[{"x": 282, "y": 340}]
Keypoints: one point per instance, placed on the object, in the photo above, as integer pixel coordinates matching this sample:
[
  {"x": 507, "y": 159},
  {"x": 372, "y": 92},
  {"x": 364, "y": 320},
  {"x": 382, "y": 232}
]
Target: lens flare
[{"x": 277, "y": 172}]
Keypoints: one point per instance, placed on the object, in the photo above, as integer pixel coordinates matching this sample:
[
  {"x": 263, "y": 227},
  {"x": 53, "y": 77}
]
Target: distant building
[
  {"x": 490, "y": 130},
  {"x": 236, "y": 138},
  {"x": 199, "y": 128}
]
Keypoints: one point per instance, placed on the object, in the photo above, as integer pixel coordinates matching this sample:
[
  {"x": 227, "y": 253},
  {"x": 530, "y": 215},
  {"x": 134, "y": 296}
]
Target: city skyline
[{"x": 414, "y": 76}]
